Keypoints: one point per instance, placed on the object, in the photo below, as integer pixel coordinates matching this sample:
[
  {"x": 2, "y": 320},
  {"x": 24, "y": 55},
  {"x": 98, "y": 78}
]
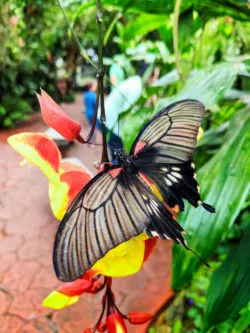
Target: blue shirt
[{"x": 89, "y": 100}]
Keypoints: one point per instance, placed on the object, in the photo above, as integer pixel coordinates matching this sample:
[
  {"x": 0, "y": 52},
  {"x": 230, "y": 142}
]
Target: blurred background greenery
[{"x": 202, "y": 51}]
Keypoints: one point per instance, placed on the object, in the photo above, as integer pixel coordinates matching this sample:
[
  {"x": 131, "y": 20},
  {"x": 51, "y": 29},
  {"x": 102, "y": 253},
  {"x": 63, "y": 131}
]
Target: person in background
[
  {"x": 89, "y": 101},
  {"x": 116, "y": 73}
]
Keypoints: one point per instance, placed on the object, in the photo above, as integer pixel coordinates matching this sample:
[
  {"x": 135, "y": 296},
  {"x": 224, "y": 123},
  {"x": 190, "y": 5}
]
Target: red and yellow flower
[{"x": 65, "y": 181}]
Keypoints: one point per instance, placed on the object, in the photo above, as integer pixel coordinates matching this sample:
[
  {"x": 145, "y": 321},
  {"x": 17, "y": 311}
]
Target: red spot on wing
[
  {"x": 139, "y": 146},
  {"x": 146, "y": 179},
  {"x": 115, "y": 172}
]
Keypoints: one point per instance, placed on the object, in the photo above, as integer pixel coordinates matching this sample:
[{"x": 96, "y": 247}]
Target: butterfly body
[
  {"x": 125, "y": 161},
  {"x": 121, "y": 202}
]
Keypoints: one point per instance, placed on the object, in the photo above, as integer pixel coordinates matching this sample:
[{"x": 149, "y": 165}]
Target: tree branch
[{"x": 100, "y": 76}]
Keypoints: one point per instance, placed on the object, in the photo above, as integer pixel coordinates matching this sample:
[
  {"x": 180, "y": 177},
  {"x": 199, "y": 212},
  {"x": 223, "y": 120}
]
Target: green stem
[
  {"x": 100, "y": 76},
  {"x": 176, "y": 38}
]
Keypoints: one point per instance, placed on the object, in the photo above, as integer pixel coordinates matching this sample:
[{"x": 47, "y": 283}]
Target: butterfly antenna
[
  {"x": 202, "y": 260},
  {"x": 95, "y": 144}
]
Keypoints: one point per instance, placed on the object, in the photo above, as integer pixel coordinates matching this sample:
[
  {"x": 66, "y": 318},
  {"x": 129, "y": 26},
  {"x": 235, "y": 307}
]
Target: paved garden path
[{"x": 27, "y": 229}]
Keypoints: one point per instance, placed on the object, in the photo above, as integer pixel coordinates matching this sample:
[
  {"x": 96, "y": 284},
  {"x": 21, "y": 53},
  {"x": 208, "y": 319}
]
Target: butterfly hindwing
[
  {"x": 175, "y": 182},
  {"x": 111, "y": 209}
]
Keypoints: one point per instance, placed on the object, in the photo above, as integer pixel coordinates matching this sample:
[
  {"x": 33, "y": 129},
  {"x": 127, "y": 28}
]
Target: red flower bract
[
  {"x": 88, "y": 330},
  {"x": 115, "y": 323},
  {"x": 56, "y": 118},
  {"x": 75, "y": 288},
  {"x": 139, "y": 317}
]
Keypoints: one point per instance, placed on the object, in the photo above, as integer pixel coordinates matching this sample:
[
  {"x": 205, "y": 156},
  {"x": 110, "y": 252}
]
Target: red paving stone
[{"x": 27, "y": 229}]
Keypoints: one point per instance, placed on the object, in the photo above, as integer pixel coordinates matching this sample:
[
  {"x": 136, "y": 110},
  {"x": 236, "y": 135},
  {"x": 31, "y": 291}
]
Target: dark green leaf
[
  {"x": 142, "y": 25},
  {"x": 2, "y": 111},
  {"x": 229, "y": 290},
  {"x": 237, "y": 9},
  {"x": 81, "y": 9},
  {"x": 225, "y": 184},
  {"x": 244, "y": 321}
]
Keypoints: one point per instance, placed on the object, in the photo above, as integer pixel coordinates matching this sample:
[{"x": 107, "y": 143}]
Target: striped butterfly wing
[
  {"x": 170, "y": 136},
  {"x": 164, "y": 149},
  {"x": 111, "y": 209}
]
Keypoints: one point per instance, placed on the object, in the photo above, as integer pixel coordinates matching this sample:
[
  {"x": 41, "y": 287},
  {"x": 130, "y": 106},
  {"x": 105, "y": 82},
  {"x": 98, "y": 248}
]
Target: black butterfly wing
[
  {"x": 164, "y": 149},
  {"x": 112, "y": 208}
]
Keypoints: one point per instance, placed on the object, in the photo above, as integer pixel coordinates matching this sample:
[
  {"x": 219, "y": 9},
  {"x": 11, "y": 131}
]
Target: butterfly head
[
  {"x": 123, "y": 159},
  {"x": 118, "y": 155}
]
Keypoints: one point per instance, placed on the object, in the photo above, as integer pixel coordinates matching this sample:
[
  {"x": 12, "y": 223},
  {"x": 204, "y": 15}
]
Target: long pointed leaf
[
  {"x": 229, "y": 290},
  {"x": 225, "y": 184}
]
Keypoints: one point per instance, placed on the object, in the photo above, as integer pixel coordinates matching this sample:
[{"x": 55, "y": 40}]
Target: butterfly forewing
[
  {"x": 170, "y": 137},
  {"x": 164, "y": 150}
]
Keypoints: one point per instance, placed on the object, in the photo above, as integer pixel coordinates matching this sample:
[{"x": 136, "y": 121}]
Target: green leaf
[
  {"x": 208, "y": 86},
  {"x": 8, "y": 123},
  {"x": 17, "y": 116},
  {"x": 229, "y": 290},
  {"x": 83, "y": 7},
  {"x": 244, "y": 321},
  {"x": 177, "y": 327},
  {"x": 148, "y": 6},
  {"x": 3, "y": 111},
  {"x": 111, "y": 27},
  {"x": 214, "y": 136},
  {"x": 237, "y": 9},
  {"x": 167, "y": 79},
  {"x": 225, "y": 184},
  {"x": 143, "y": 24}
]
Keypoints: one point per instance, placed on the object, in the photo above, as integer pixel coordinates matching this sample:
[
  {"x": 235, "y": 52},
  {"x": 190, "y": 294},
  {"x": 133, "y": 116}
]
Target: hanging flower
[
  {"x": 65, "y": 181},
  {"x": 115, "y": 319},
  {"x": 139, "y": 317},
  {"x": 115, "y": 323},
  {"x": 56, "y": 118}
]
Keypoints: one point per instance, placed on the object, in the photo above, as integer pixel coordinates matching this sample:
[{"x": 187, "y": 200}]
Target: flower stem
[
  {"x": 100, "y": 76},
  {"x": 176, "y": 38}
]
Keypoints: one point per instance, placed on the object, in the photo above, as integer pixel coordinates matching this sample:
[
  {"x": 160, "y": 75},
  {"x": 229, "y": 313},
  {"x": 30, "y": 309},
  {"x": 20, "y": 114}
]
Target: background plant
[{"x": 210, "y": 62}]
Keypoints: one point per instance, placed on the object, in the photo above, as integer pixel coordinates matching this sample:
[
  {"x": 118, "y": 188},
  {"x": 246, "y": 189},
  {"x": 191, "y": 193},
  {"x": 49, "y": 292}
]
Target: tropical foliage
[
  {"x": 211, "y": 63},
  {"x": 202, "y": 51}
]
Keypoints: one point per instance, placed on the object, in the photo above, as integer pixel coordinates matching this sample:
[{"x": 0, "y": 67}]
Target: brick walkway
[{"x": 27, "y": 229}]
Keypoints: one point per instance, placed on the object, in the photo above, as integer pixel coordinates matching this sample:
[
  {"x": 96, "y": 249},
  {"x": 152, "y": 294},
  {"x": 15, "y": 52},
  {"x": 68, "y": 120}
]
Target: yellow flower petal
[
  {"x": 57, "y": 301},
  {"x": 59, "y": 199},
  {"x": 123, "y": 260},
  {"x": 200, "y": 134}
]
